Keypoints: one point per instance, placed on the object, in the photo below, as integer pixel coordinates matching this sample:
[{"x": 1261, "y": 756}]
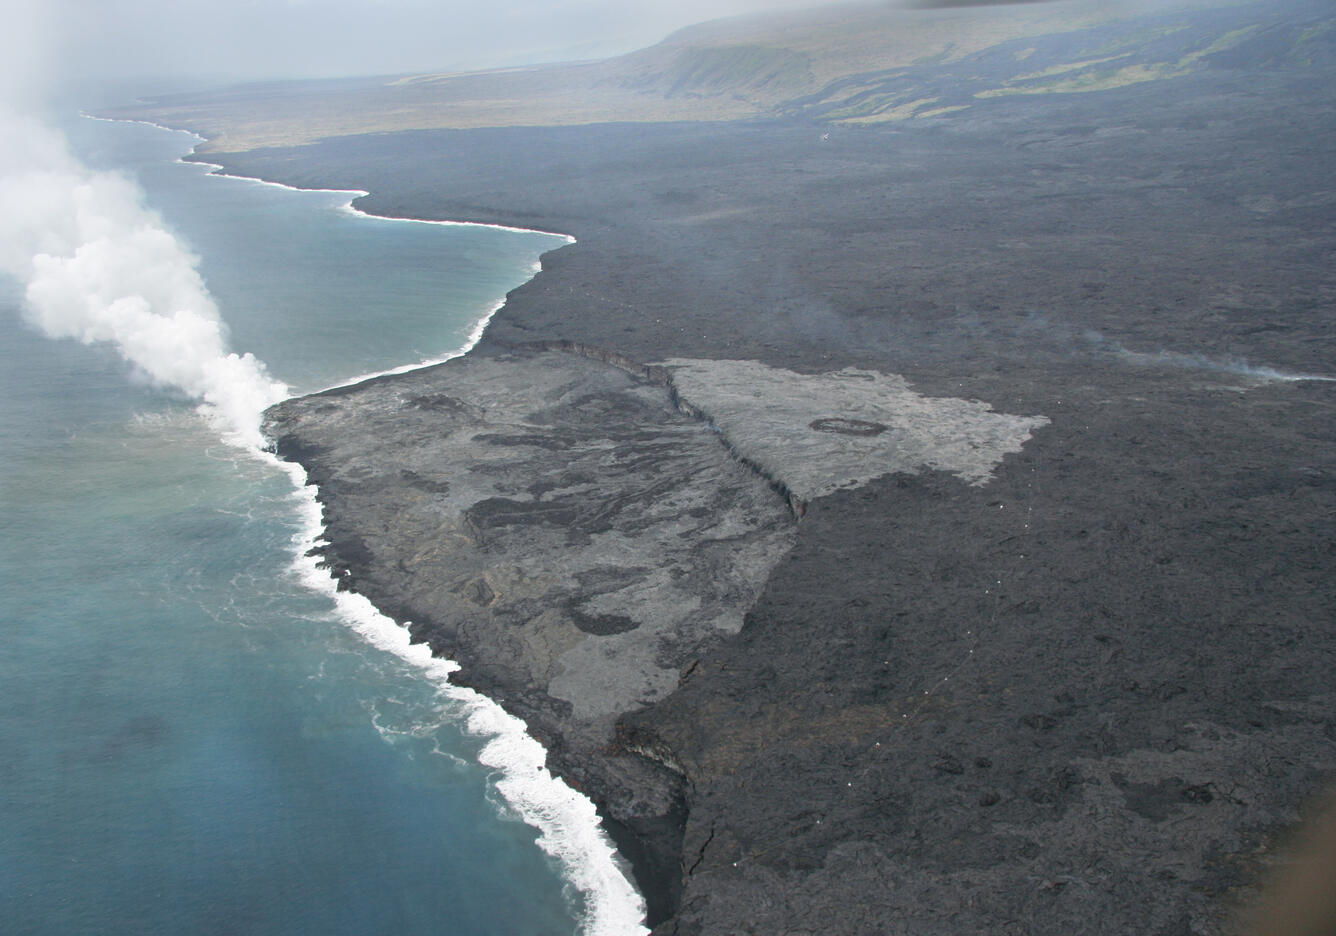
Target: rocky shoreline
[
  {"x": 571, "y": 530},
  {"x": 1080, "y": 685},
  {"x": 562, "y": 530}
]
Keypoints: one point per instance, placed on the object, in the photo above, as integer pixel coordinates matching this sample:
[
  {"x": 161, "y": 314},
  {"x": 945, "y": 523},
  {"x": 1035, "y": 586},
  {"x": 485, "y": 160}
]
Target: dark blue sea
[{"x": 196, "y": 736}]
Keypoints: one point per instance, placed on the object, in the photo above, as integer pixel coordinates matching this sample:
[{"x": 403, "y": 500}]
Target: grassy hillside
[{"x": 852, "y": 64}]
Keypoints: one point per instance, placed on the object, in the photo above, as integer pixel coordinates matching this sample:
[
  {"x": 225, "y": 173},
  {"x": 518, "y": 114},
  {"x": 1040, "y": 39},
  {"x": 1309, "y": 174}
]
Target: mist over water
[
  {"x": 98, "y": 266},
  {"x": 202, "y": 736}
]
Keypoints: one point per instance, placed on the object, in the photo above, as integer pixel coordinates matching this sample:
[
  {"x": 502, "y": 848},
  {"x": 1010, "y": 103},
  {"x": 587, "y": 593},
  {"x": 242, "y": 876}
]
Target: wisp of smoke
[
  {"x": 99, "y": 266},
  {"x": 1200, "y": 362}
]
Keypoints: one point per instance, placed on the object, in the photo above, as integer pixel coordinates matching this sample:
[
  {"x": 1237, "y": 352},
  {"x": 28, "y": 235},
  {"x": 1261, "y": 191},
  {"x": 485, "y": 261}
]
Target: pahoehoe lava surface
[
  {"x": 1083, "y": 691},
  {"x": 560, "y": 529}
]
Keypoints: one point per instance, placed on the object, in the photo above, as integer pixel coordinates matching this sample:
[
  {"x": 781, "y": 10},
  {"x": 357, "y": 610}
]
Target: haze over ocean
[{"x": 195, "y": 741}]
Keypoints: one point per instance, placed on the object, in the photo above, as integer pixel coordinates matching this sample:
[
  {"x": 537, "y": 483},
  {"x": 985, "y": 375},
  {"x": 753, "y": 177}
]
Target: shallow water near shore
[{"x": 193, "y": 741}]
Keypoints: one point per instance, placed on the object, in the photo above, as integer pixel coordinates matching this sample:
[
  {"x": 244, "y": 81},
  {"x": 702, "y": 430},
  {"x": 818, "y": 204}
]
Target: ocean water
[{"x": 196, "y": 737}]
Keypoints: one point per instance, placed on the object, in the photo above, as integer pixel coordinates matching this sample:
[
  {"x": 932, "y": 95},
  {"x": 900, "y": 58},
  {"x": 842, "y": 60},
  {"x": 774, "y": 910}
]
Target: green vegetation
[
  {"x": 1068, "y": 67},
  {"x": 1092, "y": 81},
  {"x": 860, "y": 63},
  {"x": 1226, "y": 41},
  {"x": 1312, "y": 32},
  {"x": 938, "y": 111},
  {"x": 1105, "y": 79},
  {"x": 1140, "y": 37},
  {"x": 887, "y": 111}
]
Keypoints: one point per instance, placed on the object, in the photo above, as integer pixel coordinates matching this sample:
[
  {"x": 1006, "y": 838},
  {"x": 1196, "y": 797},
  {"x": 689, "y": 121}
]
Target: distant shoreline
[
  {"x": 1072, "y": 693},
  {"x": 557, "y": 813}
]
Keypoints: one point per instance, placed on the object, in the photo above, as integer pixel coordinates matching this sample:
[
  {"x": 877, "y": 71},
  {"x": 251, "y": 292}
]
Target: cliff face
[{"x": 1049, "y": 649}]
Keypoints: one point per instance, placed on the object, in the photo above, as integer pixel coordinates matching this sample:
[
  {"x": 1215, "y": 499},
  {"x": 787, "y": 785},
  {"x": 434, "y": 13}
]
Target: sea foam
[
  {"x": 567, "y": 822},
  {"x": 217, "y": 169}
]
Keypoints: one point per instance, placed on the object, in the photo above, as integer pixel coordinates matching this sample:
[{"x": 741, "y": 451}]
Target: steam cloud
[{"x": 99, "y": 266}]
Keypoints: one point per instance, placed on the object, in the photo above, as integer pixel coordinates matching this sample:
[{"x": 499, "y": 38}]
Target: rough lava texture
[
  {"x": 1082, "y": 684},
  {"x": 822, "y": 432},
  {"x": 556, "y": 526}
]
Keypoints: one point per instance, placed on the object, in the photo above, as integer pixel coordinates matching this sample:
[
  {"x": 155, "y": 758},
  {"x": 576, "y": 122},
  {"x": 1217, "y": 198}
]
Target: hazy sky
[{"x": 55, "y": 42}]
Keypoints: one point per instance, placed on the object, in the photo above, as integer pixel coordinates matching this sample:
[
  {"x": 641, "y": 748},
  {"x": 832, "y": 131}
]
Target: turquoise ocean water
[{"x": 192, "y": 740}]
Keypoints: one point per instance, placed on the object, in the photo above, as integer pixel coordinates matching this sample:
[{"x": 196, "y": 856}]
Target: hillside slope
[
  {"x": 856, "y": 63},
  {"x": 1087, "y": 695}
]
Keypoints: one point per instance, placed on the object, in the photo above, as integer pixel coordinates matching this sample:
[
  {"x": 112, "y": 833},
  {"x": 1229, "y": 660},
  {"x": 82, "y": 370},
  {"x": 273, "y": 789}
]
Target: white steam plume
[{"x": 99, "y": 266}]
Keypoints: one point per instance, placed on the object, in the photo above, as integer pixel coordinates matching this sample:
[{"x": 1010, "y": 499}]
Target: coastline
[
  {"x": 569, "y": 830},
  {"x": 568, "y": 827},
  {"x": 945, "y": 689}
]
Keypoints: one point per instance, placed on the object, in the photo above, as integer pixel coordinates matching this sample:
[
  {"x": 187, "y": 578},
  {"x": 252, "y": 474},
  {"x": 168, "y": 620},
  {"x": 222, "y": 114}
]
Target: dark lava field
[{"x": 1090, "y": 694}]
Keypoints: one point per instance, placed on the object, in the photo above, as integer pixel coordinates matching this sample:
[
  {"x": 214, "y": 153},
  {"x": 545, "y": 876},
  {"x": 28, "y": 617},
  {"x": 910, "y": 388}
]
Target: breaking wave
[
  {"x": 99, "y": 266},
  {"x": 567, "y": 823}
]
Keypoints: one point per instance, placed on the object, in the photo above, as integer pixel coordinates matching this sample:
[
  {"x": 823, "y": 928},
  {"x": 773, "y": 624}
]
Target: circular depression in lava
[{"x": 853, "y": 427}]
